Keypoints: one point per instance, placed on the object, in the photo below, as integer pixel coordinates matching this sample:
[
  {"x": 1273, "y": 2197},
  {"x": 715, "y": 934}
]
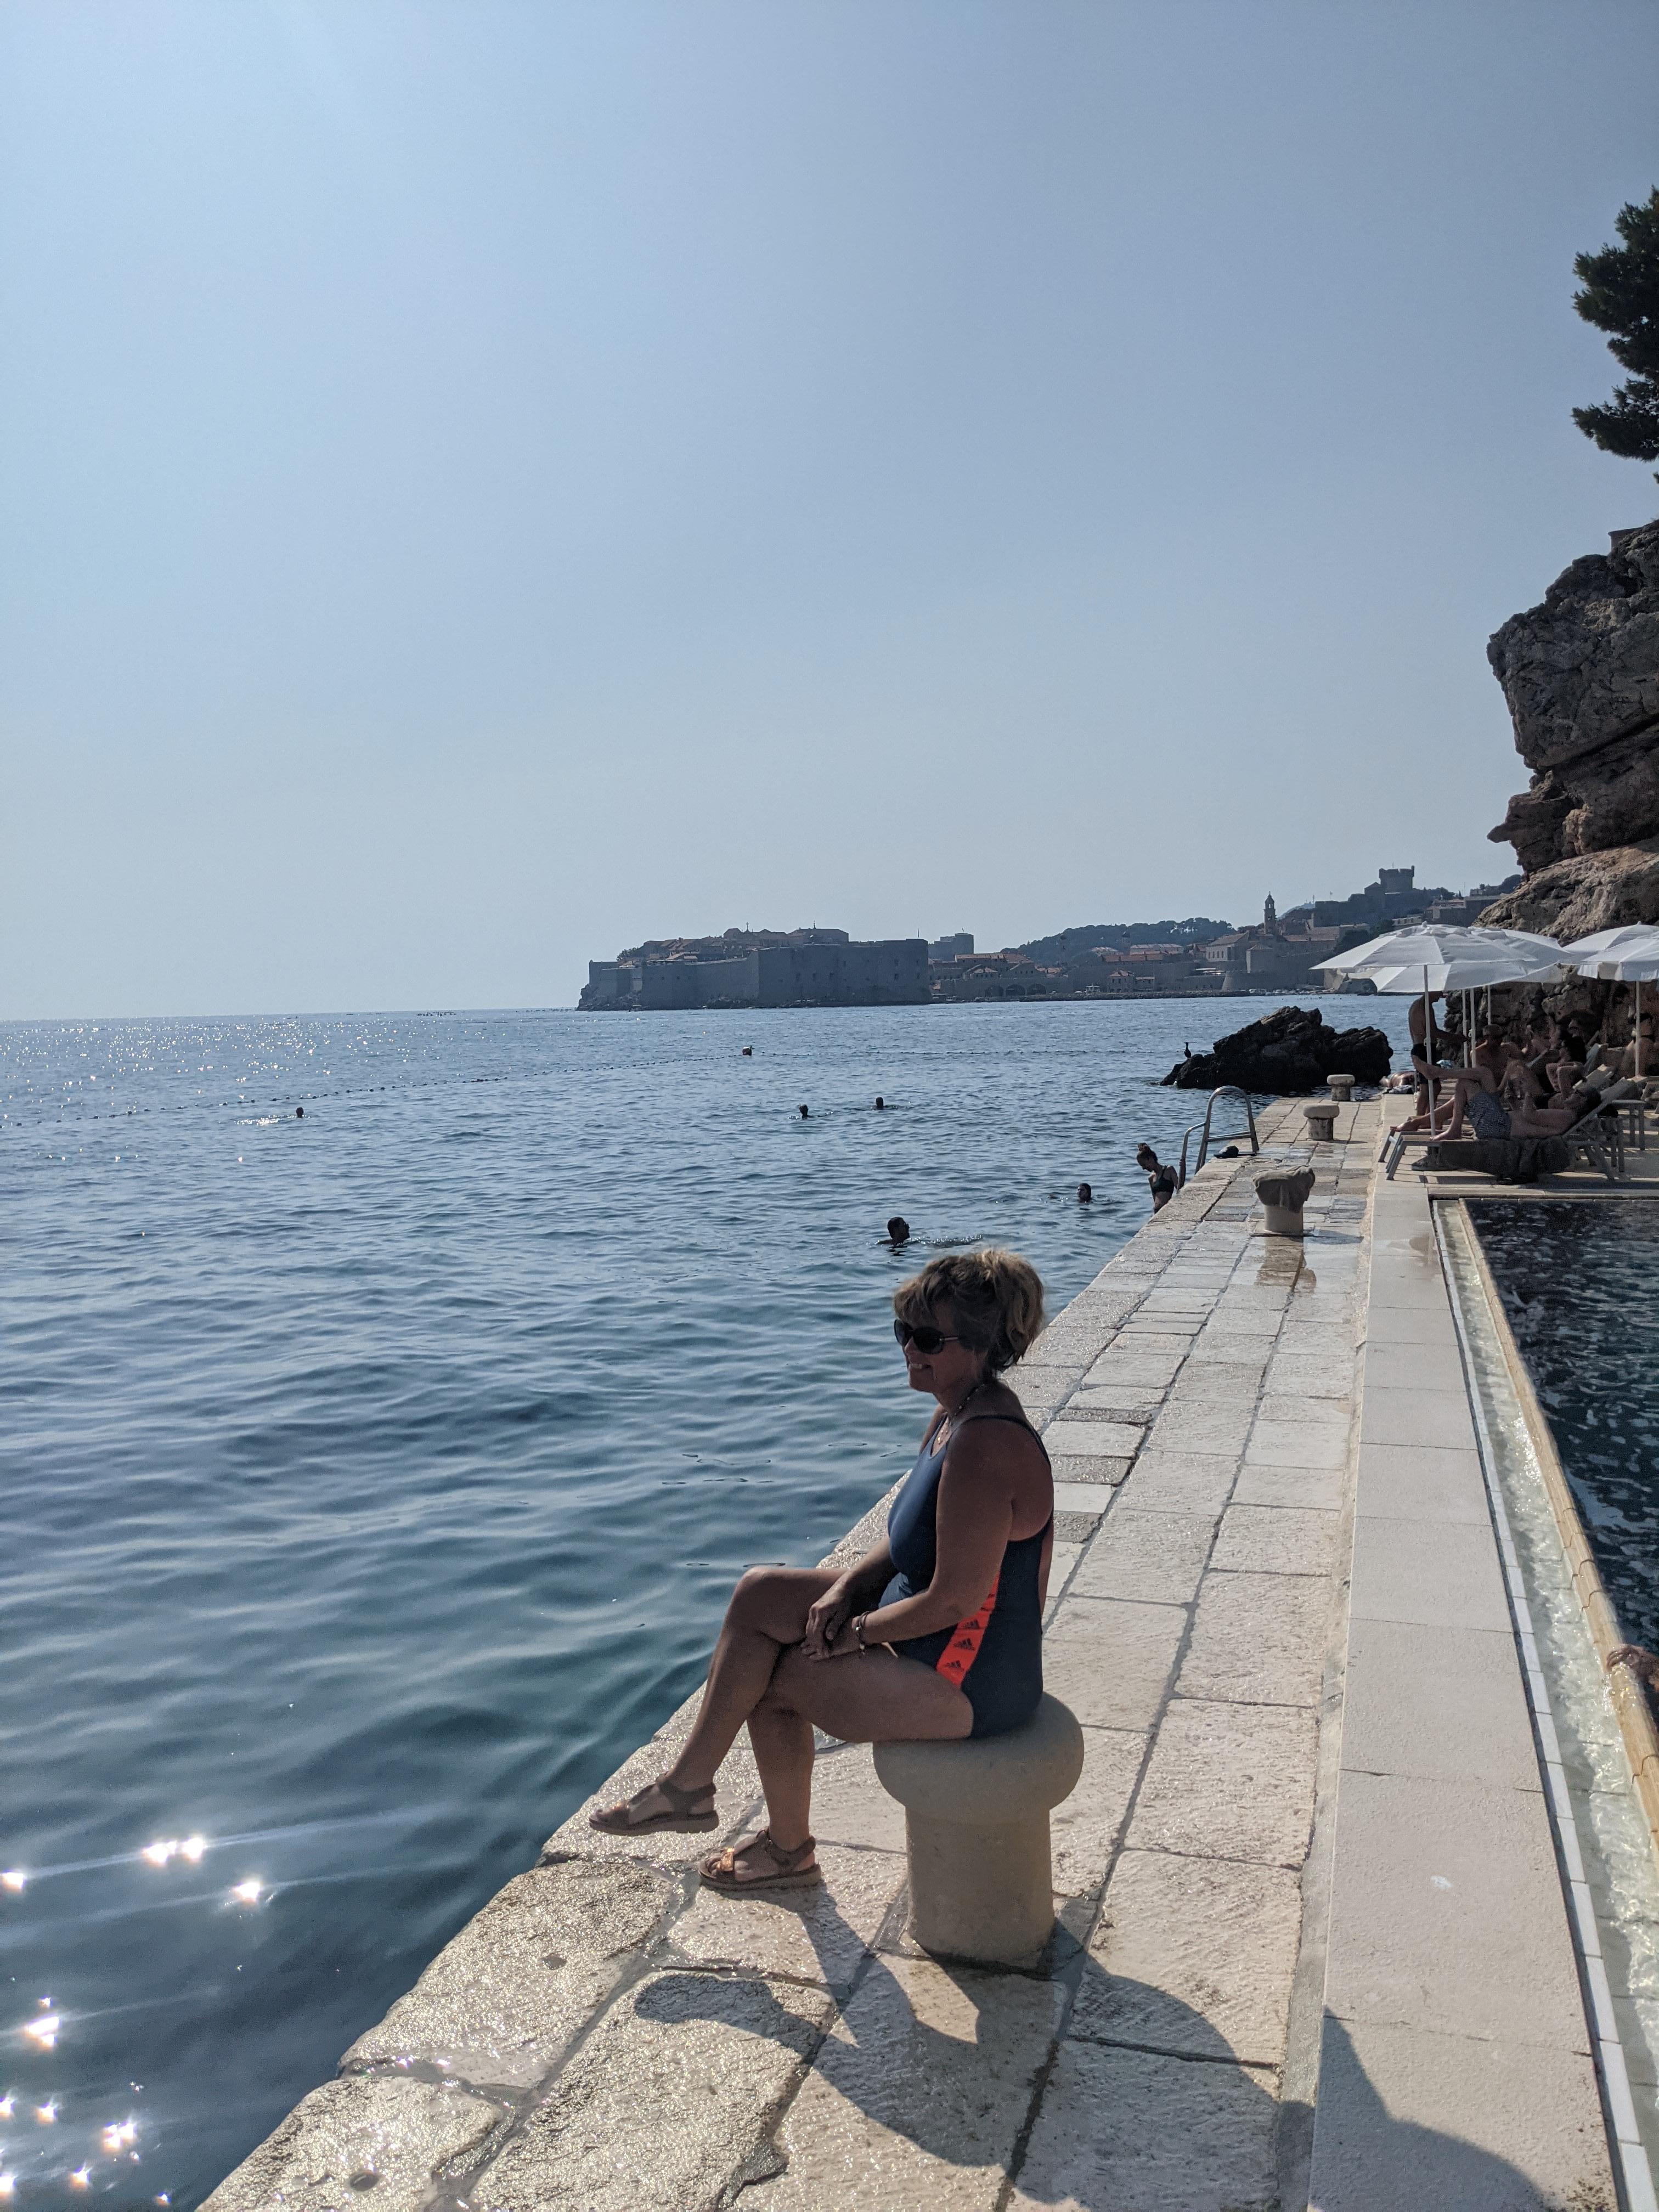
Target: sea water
[{"x": 373, "y": 1481}]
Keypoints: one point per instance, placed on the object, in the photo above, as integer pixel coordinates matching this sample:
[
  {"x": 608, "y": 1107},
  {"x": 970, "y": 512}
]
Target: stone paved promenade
[{"x": 607, "y": 2036}]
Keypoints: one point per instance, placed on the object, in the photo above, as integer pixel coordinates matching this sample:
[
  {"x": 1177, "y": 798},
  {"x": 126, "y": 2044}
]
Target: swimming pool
[{"x": 1577, "y": 1280}]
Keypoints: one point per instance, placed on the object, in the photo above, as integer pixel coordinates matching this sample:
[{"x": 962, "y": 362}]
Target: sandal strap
[
  {"x": 681, "y": 1800},
  {"x": 787, "y": 1862}
]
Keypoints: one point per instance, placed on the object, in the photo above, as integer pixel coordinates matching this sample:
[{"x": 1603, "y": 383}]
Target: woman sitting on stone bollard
[{"x": 934, "y": 1634}]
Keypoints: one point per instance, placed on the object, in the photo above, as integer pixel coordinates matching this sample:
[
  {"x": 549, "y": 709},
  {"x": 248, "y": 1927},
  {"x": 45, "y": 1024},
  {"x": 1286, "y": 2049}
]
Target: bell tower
[{"x": 1269, "y": 917}]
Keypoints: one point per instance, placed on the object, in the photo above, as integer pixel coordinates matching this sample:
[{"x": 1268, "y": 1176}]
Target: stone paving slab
[
  {"x": 396, "y": 2138},
  {"x": 1258, "y": 1639},
  {"x": 1409, "y": 2118},
  {"x": 1284, "y": 1540},
  {"x": 1160, "y": 2134},
  {"x": 1230, "y": 1781},
  {"x": 1111, "y": 1660},
  {"x": 920, "y": 2091},
  {"x": 672, "y": 2096},
  {"x": 499, "y": 2005},
  {"x": 1158, "y": 1558},
  {"x": 1191, "y": 1949}
]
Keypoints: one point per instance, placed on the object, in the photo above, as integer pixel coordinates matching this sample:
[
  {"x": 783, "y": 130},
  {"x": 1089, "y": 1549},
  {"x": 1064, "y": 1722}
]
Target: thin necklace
[{"x": 953, "y": 1419}]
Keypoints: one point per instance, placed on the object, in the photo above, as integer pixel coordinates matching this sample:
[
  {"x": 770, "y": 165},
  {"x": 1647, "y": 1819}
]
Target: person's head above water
[
  {"x": 898, "y": 1230},
  {"x": 1084, "y": 1194},
  {"x": 298, "y": 1113},
  {"x": 881, "y": 1103},
  {"x": 965, "y": 1317},
  {"x": 804, "y": 1113}
]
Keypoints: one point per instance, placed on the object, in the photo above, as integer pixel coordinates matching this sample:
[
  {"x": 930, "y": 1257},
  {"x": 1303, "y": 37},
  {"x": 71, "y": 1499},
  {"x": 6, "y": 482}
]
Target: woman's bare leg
[
  {"x": 767, "y": 1614},
  {"x": 1468, "y": 1082},
  {"x": 781, "y": 1740},
  {"x": 874, "y": 1697}
]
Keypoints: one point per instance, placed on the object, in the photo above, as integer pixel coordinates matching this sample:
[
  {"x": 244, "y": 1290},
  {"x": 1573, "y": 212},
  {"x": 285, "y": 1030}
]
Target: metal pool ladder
[{"x": 1227, "y": 1137}]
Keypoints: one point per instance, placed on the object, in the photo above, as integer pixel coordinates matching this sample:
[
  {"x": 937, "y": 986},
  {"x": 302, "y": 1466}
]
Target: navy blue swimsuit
[{"x": 996, "y": 1657}]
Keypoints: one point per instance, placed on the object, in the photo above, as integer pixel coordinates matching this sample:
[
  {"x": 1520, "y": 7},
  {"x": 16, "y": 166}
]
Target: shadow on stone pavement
[
  {"x": 937, "y": 2075},
  {"x": 1368, "y": 2158}
]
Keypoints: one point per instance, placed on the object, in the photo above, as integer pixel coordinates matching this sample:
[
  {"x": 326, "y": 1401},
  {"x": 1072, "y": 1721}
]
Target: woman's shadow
[{"x": 1093, "y": 2092}]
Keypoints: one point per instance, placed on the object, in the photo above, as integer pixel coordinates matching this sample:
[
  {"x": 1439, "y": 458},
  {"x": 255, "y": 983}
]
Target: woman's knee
[{"x": 756, "y": 1594}]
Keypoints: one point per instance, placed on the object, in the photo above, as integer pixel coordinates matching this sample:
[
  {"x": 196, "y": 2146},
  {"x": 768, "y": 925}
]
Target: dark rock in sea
[
  {"x": 1286, "y": 1054},
  {"x": 1581, "y": 674}
]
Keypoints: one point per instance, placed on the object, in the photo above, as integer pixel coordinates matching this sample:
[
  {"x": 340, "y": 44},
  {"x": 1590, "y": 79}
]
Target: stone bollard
[
  {"x": 1321, "y": 1120},
  {"x": 1284, "y": 1194},
  {"x": 976, "y": 1832},
  {"x": 1340, "y": 1088}
]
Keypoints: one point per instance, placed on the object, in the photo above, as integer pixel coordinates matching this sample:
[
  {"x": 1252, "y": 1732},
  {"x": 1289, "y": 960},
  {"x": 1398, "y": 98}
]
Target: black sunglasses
[{"x": 924, "y": 1338}]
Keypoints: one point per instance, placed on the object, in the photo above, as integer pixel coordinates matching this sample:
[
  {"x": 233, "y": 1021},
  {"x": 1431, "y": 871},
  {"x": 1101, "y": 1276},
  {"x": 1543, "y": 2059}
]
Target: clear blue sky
[{"x": 484, "y": 483}]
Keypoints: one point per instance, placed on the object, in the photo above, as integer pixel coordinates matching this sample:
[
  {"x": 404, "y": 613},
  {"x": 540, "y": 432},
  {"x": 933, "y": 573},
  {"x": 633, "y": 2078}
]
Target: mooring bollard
[
  {"x": 1284, "y": 1194},
  {"x": 1340, "y": 1088},
  {"x": 977, "y": 1834},
  {"x": 1321, "y": 1120}
]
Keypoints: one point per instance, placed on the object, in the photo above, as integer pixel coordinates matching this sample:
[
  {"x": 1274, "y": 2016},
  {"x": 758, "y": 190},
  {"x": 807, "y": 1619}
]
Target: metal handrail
[
  {"x": 1229, "y": 1137},
  {"x": 1180, "y": 1172}
]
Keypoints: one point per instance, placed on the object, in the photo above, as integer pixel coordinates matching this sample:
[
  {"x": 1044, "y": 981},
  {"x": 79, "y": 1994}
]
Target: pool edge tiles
[{"x": 804, "y": 2043}]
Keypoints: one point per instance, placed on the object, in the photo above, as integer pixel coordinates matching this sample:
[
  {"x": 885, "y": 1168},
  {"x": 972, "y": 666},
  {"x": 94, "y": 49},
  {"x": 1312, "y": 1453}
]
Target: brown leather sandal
[
  {"x": 614, "y": 1819},
  {"x": 719, "y": 1869}
]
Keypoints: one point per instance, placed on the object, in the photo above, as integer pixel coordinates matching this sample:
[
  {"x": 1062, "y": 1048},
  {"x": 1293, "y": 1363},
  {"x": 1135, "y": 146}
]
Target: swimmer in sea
[
  {"x": 898, "y": 1231},
  {"x": 1084, "y": 1194},
  {"x": 298, "y": 1113},
  {"x": 803, "y": 1112},
  {"x": 881, "y": 1103},
  {"x": 1161, "y": 1180}
]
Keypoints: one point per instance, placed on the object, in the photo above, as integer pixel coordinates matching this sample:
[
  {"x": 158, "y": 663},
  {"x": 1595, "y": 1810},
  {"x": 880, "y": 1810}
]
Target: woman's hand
[
  {"x": 828, "y": 1620},
  {"x": 842, "y": 1643}
]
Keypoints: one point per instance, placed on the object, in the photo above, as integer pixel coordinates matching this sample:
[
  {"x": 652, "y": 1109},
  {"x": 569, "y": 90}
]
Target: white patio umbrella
[
  {"x": 1630, "y": 954},
  {"x": 1426, "y": 959}
]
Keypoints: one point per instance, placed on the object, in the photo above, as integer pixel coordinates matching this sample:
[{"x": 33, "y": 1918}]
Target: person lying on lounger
[{"x": 1491, "y": 1117}]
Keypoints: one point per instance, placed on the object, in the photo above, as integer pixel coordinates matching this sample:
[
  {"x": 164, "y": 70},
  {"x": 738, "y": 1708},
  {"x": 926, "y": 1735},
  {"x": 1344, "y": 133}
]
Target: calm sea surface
[
  {"x": 1577, "y": 1283},
  {"x": 373, "y": 1482}
]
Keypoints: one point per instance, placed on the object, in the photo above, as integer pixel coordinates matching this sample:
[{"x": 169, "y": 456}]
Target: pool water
[{"x": 1578, "y": 1282}]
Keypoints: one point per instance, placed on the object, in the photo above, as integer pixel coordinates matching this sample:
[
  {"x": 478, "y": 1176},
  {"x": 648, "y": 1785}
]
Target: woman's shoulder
[{"x": 997, "y": 1426}]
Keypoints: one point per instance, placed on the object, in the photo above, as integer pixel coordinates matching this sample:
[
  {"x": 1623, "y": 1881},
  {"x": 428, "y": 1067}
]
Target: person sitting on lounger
[
  {"x": 1457, "y": 1086},
  {"x": 1492, "y": 1118}
]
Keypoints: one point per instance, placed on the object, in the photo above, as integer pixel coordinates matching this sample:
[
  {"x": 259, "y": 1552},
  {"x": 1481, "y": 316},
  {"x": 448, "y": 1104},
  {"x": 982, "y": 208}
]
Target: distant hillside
[{"x": 1068, "y": 945}]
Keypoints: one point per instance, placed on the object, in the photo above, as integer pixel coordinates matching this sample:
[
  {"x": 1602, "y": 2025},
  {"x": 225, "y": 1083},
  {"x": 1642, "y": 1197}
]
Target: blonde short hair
[{"x": 996, "y": 1297}]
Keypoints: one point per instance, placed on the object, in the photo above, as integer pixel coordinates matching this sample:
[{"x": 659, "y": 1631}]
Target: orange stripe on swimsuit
[{"x": 960, "y": 1653}]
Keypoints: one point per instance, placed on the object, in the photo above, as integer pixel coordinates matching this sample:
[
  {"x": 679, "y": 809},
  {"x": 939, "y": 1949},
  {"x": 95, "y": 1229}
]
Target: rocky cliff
[{"x": 1581, "y": 674}]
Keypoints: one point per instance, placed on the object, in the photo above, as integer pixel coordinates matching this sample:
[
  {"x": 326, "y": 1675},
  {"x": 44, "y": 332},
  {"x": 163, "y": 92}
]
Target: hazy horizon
[{"x": 485, "y": 486}]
